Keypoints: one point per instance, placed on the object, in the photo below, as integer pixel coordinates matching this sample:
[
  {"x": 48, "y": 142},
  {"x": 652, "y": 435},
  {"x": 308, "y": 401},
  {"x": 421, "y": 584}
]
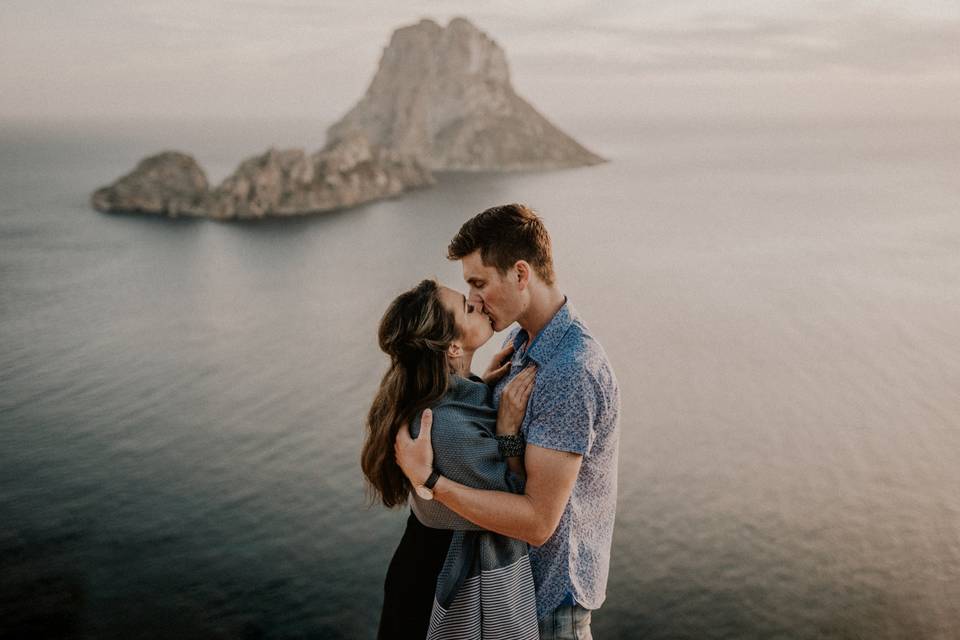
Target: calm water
[{"x": 181, "y": 402}]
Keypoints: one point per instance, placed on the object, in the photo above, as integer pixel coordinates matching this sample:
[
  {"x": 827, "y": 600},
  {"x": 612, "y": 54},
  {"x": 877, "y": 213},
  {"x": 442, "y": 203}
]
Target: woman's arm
[
  {"x": 470, "y": 456},
  {"x": 510, "y": 413},
  {"x": 513, "y": 402}
]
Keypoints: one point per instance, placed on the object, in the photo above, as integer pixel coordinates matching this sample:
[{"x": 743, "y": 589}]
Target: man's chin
[{"x": 496, "y": 324}]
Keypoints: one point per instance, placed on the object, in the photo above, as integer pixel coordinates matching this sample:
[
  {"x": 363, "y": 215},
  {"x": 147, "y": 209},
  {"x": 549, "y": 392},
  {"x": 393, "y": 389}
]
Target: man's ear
[{"x": 523, "y": 270}]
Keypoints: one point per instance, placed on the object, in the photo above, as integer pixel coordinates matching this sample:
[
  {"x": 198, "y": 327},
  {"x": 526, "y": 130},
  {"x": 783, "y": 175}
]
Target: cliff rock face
[
  {"x": 444, "y": 95},
  {"x": 168, "y": 183},
  {"x": 289, "y": 182}
]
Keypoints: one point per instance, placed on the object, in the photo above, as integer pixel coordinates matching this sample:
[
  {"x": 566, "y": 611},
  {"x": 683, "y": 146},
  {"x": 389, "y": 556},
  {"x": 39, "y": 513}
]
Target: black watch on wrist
[{"x": 425, "y": 490}]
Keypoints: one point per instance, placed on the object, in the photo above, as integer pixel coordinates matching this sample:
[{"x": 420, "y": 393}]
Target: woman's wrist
[
  {"x": 508, "y": 423},
  {"x": 505, "y": 428}
]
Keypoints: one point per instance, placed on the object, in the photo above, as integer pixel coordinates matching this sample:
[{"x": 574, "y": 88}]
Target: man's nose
[{"x": 475, "y": 298}]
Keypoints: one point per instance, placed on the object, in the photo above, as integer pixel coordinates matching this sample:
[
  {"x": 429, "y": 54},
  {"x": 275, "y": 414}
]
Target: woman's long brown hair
[{"x": 415, "y": 332}]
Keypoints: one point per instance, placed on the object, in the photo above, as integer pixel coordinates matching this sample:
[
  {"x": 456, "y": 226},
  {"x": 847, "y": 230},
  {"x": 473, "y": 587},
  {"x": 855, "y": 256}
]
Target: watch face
[{"x": 424, "y": 493}]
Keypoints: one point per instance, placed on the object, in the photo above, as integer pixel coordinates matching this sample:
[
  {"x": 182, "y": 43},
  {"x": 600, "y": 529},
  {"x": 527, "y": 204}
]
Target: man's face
[{"x": 498, "y": 293}]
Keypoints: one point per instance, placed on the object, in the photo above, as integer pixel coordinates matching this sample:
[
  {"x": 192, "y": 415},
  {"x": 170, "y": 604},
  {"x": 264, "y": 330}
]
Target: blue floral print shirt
[{"x": 575, "y": 407}]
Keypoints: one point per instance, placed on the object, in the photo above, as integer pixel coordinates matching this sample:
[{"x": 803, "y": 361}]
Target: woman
[{"x": 431, "y": 333}]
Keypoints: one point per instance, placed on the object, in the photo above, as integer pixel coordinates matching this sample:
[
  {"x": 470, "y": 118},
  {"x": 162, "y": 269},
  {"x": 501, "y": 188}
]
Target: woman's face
[{"x": 472, "y": 325}]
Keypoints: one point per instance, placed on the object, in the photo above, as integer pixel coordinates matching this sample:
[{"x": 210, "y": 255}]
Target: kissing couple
[{"x": 511, "y": 476}]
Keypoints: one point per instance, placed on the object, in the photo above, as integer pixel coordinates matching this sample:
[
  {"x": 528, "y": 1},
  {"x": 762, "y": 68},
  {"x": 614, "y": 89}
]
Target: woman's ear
[{"x": 455, "y": 350}]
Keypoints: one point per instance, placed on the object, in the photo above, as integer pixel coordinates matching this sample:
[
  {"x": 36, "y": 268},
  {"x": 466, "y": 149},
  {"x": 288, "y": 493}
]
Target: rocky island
[
  {"x": 168, "y": 183},
  {"x": 444, "y": 95},
  {"x": 276, "y": 183},
  {"x": 441, "y": 100}
]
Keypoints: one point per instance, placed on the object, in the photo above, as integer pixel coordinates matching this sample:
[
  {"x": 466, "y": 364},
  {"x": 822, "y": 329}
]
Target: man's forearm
[{"x": 509, "y": 514}]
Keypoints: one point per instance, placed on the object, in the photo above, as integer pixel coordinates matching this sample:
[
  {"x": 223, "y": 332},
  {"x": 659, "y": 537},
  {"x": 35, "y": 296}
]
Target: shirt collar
[{"x": 549, "y": 337}]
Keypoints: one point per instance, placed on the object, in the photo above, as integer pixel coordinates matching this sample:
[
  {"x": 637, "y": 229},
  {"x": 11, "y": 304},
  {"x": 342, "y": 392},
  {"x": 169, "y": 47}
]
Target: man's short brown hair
[{"x": 504, "y": 235}]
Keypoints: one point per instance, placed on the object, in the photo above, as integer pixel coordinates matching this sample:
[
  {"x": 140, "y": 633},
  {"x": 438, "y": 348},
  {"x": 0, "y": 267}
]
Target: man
[{"x": 566, "y": 512}]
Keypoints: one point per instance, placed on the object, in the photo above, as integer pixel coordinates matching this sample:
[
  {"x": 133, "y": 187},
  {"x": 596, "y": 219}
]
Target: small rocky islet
[
  {"x": 441, "y": 100},
  {"x": 276, "y": 183}
]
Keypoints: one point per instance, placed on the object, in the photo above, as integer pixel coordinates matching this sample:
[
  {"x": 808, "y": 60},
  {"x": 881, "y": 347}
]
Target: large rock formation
[
  {"x": 168, "y": 183},
  {"x": 345, "y": 174},
  {"x": 444, "y": 95},
  {"x": 276, "y": 183},
  {"x": 441, "y": 99}
]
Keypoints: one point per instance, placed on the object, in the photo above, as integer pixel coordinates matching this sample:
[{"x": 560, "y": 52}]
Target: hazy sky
[{"x": 622, "y": 58}]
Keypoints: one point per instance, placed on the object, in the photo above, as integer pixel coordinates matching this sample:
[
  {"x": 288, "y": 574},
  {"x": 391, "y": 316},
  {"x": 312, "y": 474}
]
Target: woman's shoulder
[
  {"x": 470, "y": 391},
  {"x": 466, "y": 402}
]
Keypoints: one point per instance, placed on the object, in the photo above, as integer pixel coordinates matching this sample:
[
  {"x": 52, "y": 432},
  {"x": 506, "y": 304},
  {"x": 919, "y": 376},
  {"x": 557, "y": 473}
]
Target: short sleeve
[{"x": 564, "y": 412}]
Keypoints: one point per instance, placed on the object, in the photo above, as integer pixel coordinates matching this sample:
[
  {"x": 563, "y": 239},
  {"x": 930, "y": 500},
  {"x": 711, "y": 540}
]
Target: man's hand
[
  {"x": 499, "y": 365},
  {"x": 415, "y": 456}
]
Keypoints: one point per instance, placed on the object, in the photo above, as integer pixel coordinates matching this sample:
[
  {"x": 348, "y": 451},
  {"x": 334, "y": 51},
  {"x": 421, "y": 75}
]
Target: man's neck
[{"x": 544, "y": 304}]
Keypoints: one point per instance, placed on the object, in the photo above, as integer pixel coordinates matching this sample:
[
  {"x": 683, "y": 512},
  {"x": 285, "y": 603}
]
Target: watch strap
[{"x": 432, "y": 480}]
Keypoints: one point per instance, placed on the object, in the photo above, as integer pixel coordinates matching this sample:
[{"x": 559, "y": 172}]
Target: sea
[{"x": 182, "y": 401}]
